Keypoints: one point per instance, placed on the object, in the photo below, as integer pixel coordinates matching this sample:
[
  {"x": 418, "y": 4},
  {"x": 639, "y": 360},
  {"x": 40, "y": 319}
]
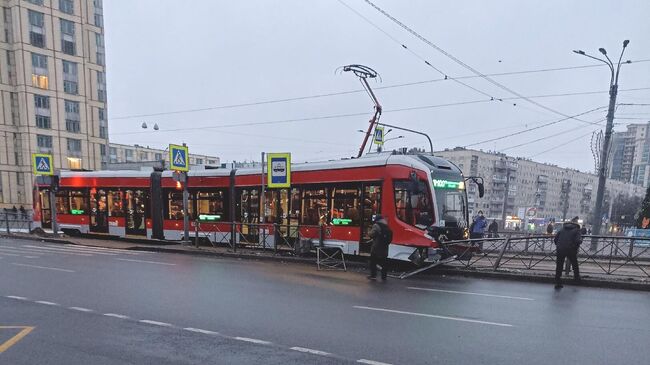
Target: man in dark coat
[
  {"x": 567, "y": 240},
  {"x": 493, "y": 229},
  {"x": 381, "y": 236}
]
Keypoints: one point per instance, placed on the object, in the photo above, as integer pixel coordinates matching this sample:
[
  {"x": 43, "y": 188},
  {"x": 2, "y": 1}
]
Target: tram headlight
[{"x": 465, "y": 233}]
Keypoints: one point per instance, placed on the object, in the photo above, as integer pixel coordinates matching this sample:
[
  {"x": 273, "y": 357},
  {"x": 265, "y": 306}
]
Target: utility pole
[
  {"x": 505, "y": 196},
  {"x": 613, "y": 91}
]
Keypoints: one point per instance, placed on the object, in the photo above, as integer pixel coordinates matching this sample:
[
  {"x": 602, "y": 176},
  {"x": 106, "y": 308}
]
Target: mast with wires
[{"x": 364, "y": 73}]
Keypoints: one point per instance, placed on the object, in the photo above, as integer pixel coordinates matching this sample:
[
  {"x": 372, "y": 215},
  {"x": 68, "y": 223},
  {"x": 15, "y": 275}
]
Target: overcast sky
[{"x": 165, "y": 56}]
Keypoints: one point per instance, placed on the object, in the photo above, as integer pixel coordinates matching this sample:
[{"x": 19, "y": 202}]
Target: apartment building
[
  {"x": 630, "y": 160},
  {"x": 52, "y": 90},
  {"x": 122, "y": 156},
  {"x": 521, "y": 184}
]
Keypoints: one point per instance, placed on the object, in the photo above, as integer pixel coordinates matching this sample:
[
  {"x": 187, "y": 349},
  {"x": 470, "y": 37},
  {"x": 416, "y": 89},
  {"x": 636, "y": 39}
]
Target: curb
[{"x": 440, "y": 271}]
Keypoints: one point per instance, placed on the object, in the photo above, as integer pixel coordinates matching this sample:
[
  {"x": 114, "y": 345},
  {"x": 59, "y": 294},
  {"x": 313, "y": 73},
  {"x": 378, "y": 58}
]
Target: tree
[
  {"x": 643, "y": 214},
  {"x": 624, "y": 210}
]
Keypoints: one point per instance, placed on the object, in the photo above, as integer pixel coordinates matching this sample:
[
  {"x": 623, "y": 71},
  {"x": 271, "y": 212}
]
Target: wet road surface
[{"x": 103, "y": 306}]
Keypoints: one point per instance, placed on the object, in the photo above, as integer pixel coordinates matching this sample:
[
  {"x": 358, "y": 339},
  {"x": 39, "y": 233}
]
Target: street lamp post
[{"x": 613, "y": 90}]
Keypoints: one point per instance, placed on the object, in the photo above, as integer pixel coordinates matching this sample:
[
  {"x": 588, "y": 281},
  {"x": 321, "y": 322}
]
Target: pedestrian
[
  {"x": 23, "y": 212},
  {"x": 549, "y": 228},
  {"x": 477, "y": 229},
  {"x": 583, "y": 230},
  {"x": 381, "y": 236},
  {"x": 493, "y": 229},
  {"x": 567, "y": 240},
  {"x": 14, "y": 210}
]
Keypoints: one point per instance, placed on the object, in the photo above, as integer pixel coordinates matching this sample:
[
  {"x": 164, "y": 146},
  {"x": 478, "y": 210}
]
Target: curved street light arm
[
  {"x": 618, "y": 67},
  {"x": 609, "y": 64},
  {"x": 412, "y": 131}
]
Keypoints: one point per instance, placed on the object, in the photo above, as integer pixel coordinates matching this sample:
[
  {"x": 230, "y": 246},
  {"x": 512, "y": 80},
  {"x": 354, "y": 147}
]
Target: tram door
[
  {"x": 46, "y": 209},
  {"x": 135, "y": 205},
  {"x": 371, "y": 205},
  {"x": 98, "y": 211}
]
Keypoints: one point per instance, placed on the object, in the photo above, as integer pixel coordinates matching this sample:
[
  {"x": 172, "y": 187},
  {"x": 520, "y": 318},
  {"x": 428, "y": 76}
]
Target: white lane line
[
  {"x": 155, "y": 323},
  {"x": 72, "y": 248},
  {"x": 45, "y": 302},
  {"x": 147, "y": 262},
  {"x": 198, "y": 330},
  {"x": 81, "y": 309},
  {"x": 31, "y": 257},
  {"x": 36, "y": 249},
  {"x": 310, "y": 351},
  {"x": 106, "y": 249},
  {"x": 15, "y": 297},
  {"x": 10, "y": 254},
  {"x": 468, "y": 293},
  {"x": 21, "y": 250},
  {"x": 42, "y": 267},
  {"x": 372, "y": 362},
  {"x": 120, "y": 316},
  {"x": 460, "y": 319},
  {"x": 252, "y": 340}
]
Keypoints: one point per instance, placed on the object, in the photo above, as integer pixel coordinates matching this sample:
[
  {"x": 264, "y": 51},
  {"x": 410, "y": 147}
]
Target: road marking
[
  {"x": 155, "y": 323},
  {"x": 68, "y": 248},
  {"x": 252, "y": 340},
  {"x": 45, "y": 302},
  {"x": 13, "y": 251},
  {"x": 198, "y": 330},
  {"x": 310, "y": 351},
  {"x": 81, "y": 309},
  {"x": 120, "y": 316},
  {"x": 106, "y": 249},
  {"x": 56, "y": 250},
  {"x": 460, "y": 319},
  {"x": 31, "y": 257},
  {"x": 25, "y": 330},
  {"x": 15, "y": 297},
  {"x": 372, "y": 362},
  {"x": 468, "y": 293},
  {"x": 148, "y": 262},
  {"x": 42, "y": 267}
]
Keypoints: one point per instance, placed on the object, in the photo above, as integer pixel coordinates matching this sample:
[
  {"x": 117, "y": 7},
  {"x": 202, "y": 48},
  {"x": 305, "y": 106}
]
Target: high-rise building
[
  {"x": 52, "y": 90},
  {"x": 522, "y": 185},
  {"x": 630, "y": 159}
]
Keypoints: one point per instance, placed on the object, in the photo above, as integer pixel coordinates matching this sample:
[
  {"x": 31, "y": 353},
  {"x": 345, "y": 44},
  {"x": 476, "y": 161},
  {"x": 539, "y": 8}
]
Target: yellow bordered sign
[
  {"x": 179, "y": 158},
  {"x": 278, "y": 170},
  {"x": 42, "y": 164},
  {"x": 379, "y": 136}
]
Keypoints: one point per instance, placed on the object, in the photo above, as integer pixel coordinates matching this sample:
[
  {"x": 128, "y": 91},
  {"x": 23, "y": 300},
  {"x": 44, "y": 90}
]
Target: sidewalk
[{"x": 544, "y": 275}]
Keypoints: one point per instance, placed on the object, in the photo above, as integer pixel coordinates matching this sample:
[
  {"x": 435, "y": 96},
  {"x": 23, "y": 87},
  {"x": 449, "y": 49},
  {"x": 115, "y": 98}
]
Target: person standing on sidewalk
[
  {"x": 381, "y": 236},
  {"x": 568, "y": 241}
]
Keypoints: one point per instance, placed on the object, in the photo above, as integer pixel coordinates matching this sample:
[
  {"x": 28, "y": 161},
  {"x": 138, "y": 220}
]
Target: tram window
[
  {"x": 175, "y": 206},
  {"x": 414, "y": 209},
  {"x": 295, "y": 204},
  {"x": 345, "y": 207},
  {"x": 63, "y": 202},
  {"x": 211, "y": 203},
  {"x": 115, "y": 208},
  {"x": 78, "y": 202},
  {"x": 314, "y": 207}
]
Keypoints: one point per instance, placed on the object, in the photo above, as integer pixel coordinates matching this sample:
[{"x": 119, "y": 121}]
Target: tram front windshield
[{"x": 450, "y": 198}]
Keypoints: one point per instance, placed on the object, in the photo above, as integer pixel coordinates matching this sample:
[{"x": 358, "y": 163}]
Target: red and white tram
[{"x": 421, "y": 197}]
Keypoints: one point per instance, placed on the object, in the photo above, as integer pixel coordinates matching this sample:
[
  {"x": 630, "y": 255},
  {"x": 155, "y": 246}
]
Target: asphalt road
[{"x": 86, "y": 305}]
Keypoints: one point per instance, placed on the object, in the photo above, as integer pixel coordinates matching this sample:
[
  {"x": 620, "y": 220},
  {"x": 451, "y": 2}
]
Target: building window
[
  {"x": 102, "y": 149},
  {"x": 20, "y": 178},
  {"x": 99, "y": 41},
  {"x": 70, "y": 78},
  {"x": 199, "y": 161},
  {"x": 41, "y": 101},
  {"x": 39, "y": 61},
  {"x": 43, "y": 122},
  {"x": 113, "y": 154},
  {"x": 36, "y": 33},
  {"x": 44, "y": 143},
  {"x": 72, "y": 117},
  {"x": 128, "y": 155},
  {"x": 74, "y": 163},
  {"x": 39, "y": 71},
  {"x": 15, "y": 110},
  {"x": 42, "y": 105},
  {"x": 74, "y": 147},
  {"x": 158, "y": 157},
  {"x": 36, "y": 2},
  {"x": 66, "y": 6},
  {"x": 143, "y": 156},
  {"x": 103, "y": 132},
  {"x": 67, "y": 37},
  {"x": 101, "y": 86}
]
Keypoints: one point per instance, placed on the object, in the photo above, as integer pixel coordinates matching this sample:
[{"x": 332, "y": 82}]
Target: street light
[
  {"x": 155, "y": 126},
  {"x": 390, "y": 139},
  {"x": 613, "y": 90}
]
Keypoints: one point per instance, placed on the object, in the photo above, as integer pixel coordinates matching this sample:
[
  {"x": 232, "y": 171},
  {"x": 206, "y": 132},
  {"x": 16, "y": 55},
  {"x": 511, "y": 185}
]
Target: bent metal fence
[
  {"x": 597, "y": 256},
  {"x": 18, "y": 222},
  {"x": 296, "y": 239}
]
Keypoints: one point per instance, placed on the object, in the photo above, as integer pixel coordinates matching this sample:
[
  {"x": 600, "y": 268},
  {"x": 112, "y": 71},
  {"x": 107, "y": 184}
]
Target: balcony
[
  {"x": 499, "y": 178},
  {"x": 542, "y": 179}
]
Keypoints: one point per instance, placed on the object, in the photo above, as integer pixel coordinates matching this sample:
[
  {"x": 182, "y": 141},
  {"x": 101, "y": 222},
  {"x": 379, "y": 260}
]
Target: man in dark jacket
[
  {"x": 493, "y": 229},
  {"x": 381, "y": 236},
  {"x": 567, "y": 240}
]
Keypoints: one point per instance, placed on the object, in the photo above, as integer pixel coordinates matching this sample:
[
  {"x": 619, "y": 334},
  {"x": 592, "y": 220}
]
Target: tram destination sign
[
  {"x": 179, "y": 158},
  {"x": 42, "y": 164},
  {"x": 446, "y": 184},
  {"x": 279, "y": 170}
]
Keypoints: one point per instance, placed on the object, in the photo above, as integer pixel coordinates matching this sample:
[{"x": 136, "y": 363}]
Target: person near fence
[
  {"x": 493, "y": 229},
  {"x": 477, "y": 229},
  {"x": 381, "y": 236},
  {"x": 23, "y": 212},
  {"x": 550, "y": 228},
  {"x": 568, "y": 241}
]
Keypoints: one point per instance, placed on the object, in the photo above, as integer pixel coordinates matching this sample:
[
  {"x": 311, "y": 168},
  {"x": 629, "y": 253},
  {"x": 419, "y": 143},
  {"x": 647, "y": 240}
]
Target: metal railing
[
  {"x": 296, "y": 239},
  {"x": 597, "y": 255},
  {"x": 15, "y": 222}
]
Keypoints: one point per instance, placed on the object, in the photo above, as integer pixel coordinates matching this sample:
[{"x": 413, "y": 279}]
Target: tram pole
[
  {"x": 54, "y": 185},
  {"x": 186, "y": 217},
  {"x": 262, "y": 202}
]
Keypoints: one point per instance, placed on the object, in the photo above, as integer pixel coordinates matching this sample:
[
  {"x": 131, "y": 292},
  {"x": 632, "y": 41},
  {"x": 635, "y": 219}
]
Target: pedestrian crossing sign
[
  {"x": 42, "y": 164},
  {"x": 379, "y": 136},
  {"x": 179, "y": 159}
]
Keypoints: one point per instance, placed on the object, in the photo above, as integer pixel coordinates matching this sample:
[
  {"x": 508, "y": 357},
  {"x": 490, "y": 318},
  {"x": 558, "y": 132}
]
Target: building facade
[
  {"x": 524, "y": 186},
  {"x": 630, "y": 161},
  {"x": 52, "y": 90},
  {"x": 122, "y": 156}
]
